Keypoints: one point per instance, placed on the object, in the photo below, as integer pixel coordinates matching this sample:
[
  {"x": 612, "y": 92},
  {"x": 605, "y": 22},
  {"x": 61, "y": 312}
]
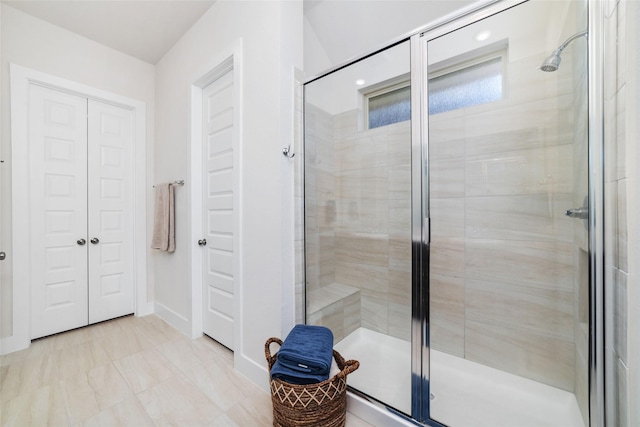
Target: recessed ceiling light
[
  {"x": 360, "y": 82},
  {"x": 482, "y": 35}
]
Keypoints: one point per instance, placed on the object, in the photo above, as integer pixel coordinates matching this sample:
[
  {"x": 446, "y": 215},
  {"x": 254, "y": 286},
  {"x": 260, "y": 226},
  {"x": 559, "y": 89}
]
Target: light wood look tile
[{"x": 164, "y": 379}]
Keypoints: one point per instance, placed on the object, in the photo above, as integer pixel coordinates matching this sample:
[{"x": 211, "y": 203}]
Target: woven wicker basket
[{"x": 312, "y": 405}]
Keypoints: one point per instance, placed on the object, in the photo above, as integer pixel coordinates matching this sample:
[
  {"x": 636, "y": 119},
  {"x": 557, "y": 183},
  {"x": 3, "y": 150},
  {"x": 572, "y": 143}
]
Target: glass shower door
[
  {"x": 507, "y": 186},
  {"x": 358, "y": 219}
]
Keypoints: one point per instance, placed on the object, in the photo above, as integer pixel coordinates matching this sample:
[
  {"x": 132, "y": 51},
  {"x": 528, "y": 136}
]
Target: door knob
[
  {"x": 202, "y": 242},
  {"x": 95, "y": 241},
  {"x": 2, "y": 256},
  {"x": 81, "y": 242}
]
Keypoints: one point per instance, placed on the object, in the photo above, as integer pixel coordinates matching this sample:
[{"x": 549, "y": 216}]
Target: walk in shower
[{"x": 447, "y": 234}]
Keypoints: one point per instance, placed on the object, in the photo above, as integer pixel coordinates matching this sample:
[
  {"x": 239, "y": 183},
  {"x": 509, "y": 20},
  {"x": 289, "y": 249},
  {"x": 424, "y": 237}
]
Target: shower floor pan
[{"x": 465, "y": 394}]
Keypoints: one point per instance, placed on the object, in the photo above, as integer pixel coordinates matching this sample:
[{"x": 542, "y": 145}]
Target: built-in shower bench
[{"x": 336, "y": 306}]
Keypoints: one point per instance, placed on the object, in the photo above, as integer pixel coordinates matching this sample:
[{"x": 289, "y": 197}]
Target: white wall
[
  {"x": 270, "y": 34},
  {"x": 38, "y": 45}
]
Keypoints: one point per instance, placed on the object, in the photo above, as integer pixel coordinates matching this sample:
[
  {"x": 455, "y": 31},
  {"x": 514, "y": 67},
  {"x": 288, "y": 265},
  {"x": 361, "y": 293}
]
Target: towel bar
[{"x": 178, "y": 182}]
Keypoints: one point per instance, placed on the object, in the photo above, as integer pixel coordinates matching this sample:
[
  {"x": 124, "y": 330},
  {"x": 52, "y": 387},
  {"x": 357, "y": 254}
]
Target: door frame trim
[
  {"x": 20, "y": 80},
  {"x": 229, "y": 59}
]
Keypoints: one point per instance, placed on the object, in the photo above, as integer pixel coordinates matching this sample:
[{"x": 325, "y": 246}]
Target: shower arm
[{"x": 569, "y": 40}]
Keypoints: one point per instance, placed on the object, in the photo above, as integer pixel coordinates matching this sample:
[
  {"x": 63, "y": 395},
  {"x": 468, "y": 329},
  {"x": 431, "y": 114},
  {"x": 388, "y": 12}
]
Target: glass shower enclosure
[{"x": 447, "y": 237}]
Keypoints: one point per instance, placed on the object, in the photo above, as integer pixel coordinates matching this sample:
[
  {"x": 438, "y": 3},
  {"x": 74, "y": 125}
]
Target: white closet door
[
  {"x": 218, "y": 213},
  {"x": 58, "y": 199},
  {"x": 111, "y": 290}
]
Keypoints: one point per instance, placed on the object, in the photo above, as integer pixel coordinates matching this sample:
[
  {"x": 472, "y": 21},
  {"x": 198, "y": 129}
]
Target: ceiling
[
  {"x": 349, "y": 28},
  {"x": 143, "y": 29}
]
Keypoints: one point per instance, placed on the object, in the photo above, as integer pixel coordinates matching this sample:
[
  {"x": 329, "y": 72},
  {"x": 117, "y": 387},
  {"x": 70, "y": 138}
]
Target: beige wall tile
[
  {"x": 375, "y": 314},
  {"x": 399, "y": 144},
  {"x": 446, "y": 177},
  {"x": 400, "y": 254},
  {"x": 363, "y": 216},
  {"x": 400, "y": 321},
  {"x": 530, "y": 217},
  {"x": 400, "y": 287},
  {"x": 522, "y": 352},
  {"x": 447, "y": 295},
  {"x": 447, "y": 334},
  {"x": 446, "y": 137},
  {"x": 370, "y": 249},
  {"x": 535, "y": 264},
  {"x": 363, "y": 276},
  {"x": 533, "y": 124},
  {"x": 364, "y": 151},
  {"x": 400, "y": 181},
  {"x": 527, "y": 83},
  {"x": 359, "y": 184},
  {"x": 545, "y": 312},
  {"x": 447, "y": 256},
  {"x": 528, "y": 171},
  {"x": 447, "y": 216}
]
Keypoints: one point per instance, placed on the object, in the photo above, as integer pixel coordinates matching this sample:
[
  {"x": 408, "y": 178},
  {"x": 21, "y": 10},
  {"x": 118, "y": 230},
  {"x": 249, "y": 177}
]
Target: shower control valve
[{"x": 582, "y": 213}]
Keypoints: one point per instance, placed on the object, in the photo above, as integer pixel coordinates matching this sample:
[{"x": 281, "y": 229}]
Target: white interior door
[
  {"x": 58, "y": 210},
  {"x": 111, "y": 285},
  {"x": 218, "y": 213}
]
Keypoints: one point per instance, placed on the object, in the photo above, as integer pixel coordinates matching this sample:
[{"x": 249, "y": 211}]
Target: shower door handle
[{"x": 581, "y": 213}]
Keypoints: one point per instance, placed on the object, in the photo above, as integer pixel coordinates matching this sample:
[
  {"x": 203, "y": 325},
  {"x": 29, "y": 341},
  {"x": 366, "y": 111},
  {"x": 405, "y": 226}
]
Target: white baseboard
[
  {"x": 256, "y": 373},
  {"x": 179, "y": 322},
  {"x": 13, "y": 343}
]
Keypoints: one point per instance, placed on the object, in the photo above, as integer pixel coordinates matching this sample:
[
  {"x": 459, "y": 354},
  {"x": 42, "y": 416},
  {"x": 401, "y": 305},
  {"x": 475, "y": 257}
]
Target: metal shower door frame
[{"x": 420, "y": 219}]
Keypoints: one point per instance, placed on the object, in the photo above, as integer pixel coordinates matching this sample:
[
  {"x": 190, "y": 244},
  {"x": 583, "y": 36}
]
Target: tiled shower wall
[
  {"x": 618, "y": 180},
  {"x": 357, "y": 225},
  {"x": 502, "y": 275},
  {"x": 502, "y": 284}
]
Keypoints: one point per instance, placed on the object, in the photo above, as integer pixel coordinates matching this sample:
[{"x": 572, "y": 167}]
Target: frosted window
[
  {"x": 390, "y": 107},
  {"x": 473, "y": 85}
]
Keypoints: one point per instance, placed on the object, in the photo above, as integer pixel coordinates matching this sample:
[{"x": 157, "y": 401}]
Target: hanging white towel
[{"x": 164, "y": 223}]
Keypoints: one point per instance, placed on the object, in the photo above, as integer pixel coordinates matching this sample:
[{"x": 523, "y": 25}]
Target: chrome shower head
[{"x": 552, "y": 62}]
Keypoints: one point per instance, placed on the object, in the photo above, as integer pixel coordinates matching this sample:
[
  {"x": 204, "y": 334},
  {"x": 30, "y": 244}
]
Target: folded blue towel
[
  {"x": 291, "y": 376},
  {"x": 307, "y": 352}
]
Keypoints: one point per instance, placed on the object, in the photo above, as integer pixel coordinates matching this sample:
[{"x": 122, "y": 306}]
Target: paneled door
[
  {"x": 58, "y": 199},
  {"x": 80, "y": 208},
  {"x": 111, "y": 292},
  {"x": 218, "y": 209}
]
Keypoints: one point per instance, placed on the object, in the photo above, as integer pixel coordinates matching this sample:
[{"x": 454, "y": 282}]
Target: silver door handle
[
  {"x": 582, "y": 213},
  {"x": 2, "y": 256},
  {"x": 95, "y": 241},
  {"x": 202, "y": 242},
  {"x": 81, "y": 242}
]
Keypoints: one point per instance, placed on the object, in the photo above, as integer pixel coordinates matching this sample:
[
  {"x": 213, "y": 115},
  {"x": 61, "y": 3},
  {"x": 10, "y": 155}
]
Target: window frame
[
  {"x": 381, "y": 88},
  {"x": 497, "y": 50}
]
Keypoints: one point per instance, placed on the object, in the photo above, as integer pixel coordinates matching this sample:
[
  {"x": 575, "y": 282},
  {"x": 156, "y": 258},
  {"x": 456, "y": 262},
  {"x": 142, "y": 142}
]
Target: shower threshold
[{"x": 466, "y": 394}]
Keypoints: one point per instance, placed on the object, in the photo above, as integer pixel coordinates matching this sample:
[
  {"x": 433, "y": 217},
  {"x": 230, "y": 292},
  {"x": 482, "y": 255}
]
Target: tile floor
[{"x": 129, "y": 372}]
